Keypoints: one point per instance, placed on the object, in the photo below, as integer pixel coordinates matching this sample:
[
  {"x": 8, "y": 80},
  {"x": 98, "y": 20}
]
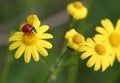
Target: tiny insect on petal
[{"x": 28, "y": 28}]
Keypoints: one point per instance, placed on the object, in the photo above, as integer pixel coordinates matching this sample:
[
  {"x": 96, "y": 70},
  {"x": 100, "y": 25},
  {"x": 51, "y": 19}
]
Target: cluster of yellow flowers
[
  {"x": 102, "y": 48},
  {"x": 29, "y": 41}
]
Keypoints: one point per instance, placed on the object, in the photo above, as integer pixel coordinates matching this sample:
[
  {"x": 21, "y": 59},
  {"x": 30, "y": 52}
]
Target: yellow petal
[
  {"x": 43, "y": 28},
  {"x": 42, "y": 51},
  {"x": 117, "y": 28},
  {"x": 36, "y": 24},
  {"x": 112, "y": 57},
  {"x": 20, "y": 51},
  {"x": 105, "y": 63},
  {"x": 100, "y": 37},
  {"x": 15, "y": 38},
  {"x": 70, "y": 40},
  {"x": 73, "y": 46},
  {"x": 70, "y": 9},
  {"x": 107, "y": 24},
  {"x": 45, "y": 36},
  {"x": 27, "y": 55},
  {"x": 86, "y": 54},
  {"x": 86, "y": 48},
  {"x": 77, "y": 15},
  {"x": 18, "y": 33},
  {"x": 15, "y": 45},
  {"x": 35, "y": 54},
  {"x": 80, "y": 14},
  {"x": 70, "y": 33},
  {"x": 101, "y": 31},
  {"x": 97, "y": 40},
  {"x": 31, "y": 18},
  {"x": 109, "y": 59},
  {"x": 117, "y": 51},
  {"x": 45, "y": 44},
  {"x": 90, "y": 41},
  {"x": 97, "y": 63},
  {"x": 91, "y": 61}
]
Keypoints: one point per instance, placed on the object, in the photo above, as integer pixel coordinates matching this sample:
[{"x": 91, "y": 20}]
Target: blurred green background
[{"x": 53, "y": 13}]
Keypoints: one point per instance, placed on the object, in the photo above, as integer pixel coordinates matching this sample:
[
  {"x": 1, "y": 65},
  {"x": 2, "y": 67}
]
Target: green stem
[
  {"x": 52, "y": 75},
  {"x": 45, "y": 63},
  {"x": 82, "y": 23},
  {"x": 73, "y": 70},
  {"x": 72, "y": 22},
  {"x": 5, "y": 71},
  {"x": 59, "y": 60},
  {"x": 57, "y": 67}
]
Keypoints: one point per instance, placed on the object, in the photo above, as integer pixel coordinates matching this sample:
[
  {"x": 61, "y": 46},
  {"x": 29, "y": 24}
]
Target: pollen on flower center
[
  {"x": 114, "y": 39},
  {"x": 30, "y": 38},
  {"x": 77, "y": 39},
  {"x": 78, "y": 5},
  {"x": 100, "y": 49}
]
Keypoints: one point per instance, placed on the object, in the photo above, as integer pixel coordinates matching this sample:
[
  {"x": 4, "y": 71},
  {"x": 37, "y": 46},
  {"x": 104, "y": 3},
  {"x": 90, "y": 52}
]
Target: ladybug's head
[{"x": 28, "y": 28}]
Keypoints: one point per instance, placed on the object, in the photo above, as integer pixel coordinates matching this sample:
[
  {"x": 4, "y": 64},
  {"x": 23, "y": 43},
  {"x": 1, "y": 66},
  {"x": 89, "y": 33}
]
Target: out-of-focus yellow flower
[
  {"x": 99, "y": 53},
  {"x": 29, "y": 41},
  {"x": 74, "y": 39},
  {"x": 110, "y": 35},
  {"x": 77, "y": 10}
]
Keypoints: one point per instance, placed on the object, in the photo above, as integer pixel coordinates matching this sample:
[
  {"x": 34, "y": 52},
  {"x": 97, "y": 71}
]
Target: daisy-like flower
[
  {"x": 111, "y": 35},
  {"x": 77, "y": 10},
  {"x": 99, "y": 54},
  {"x": 74, "y": 39},
  {"x": 29, "y": 41}
]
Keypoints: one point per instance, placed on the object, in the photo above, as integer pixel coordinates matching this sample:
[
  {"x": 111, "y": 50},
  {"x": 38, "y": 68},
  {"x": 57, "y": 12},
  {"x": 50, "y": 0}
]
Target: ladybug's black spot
[{"x": 33, "y": 30}]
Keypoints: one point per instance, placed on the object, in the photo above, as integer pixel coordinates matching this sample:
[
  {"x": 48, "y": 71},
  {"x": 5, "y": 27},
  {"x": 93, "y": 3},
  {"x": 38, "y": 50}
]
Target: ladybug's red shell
[{"x": 28, "y": 28}]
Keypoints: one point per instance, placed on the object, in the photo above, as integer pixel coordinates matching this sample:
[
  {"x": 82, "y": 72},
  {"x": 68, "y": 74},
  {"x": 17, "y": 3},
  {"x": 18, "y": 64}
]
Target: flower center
[
  {"x": 78, "y": 5},
  {"x": 30, "y": 38},
  {"x": 114, "y": 39},
  {"x": 77, "y": 39},
  {"x": 100, "y": 49}
]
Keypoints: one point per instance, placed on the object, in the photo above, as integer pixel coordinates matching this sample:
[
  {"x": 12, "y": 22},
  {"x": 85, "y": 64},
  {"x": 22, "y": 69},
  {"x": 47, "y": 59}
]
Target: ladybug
[{"x": 28, "y": 28}]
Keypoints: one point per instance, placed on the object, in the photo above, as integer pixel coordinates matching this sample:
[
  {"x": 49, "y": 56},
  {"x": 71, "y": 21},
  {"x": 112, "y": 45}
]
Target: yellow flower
[
  {"x": 110, "y": 35},
  {"x": 77, "y": 10},
  {"x": 29, "y": 41},
  {"x": 99, "y": 54},
  {"x": 74, "y": 39}
]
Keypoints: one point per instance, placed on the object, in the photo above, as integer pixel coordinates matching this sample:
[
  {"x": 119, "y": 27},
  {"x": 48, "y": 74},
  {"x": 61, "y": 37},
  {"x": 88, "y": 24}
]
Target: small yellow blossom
[
  {"x": 29, "y": 41},
  {"x": 110, "y": 35},
  {"x": 74, "y": 39},
  {"x": 77, "y": 10},
  {"x": 99, "y": 54}
]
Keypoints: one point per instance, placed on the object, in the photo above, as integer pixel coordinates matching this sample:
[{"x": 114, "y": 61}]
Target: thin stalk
[
  {"x": 57, "y": 67},
  {"x": 6, "y": 68},
  {"x": 71, "y": 22},
  {"x": 73, "y": 70},
  {"x": 46, "y": 64}
]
